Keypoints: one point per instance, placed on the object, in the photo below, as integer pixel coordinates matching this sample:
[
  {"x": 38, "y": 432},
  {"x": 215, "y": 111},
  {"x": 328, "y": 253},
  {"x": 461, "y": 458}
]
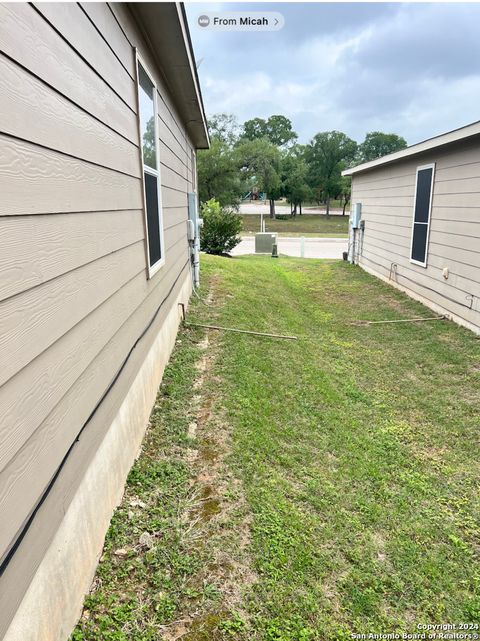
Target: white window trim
[
  {"x": 151, "y": 269},
  {"x": 417, "y": 262}
]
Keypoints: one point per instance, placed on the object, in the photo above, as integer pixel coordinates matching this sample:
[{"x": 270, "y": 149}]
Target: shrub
[{"x": 220, "y": 230}]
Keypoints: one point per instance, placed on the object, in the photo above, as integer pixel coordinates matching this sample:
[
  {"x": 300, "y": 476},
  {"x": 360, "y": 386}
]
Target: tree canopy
[
  {"x": 219, "y": 176},
  {"x": 277, "y": 129},
  {"x": 264, "y": 154},
  {"x": 259, "y": 161},
  {"x": 224, "y": 127},
  {"x": 327, "y": 155},
  {"x": 378, "y": 144}
]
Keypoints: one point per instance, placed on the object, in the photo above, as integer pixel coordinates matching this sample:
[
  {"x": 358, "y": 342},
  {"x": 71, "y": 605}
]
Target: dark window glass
[
  {"x": 153, "y": 221},
  {"x": 147, "y": 117},
  {"x": 419, "y": 244},
  {"x": 422, "y": 200},
  {"x": 421, "y": 215}
]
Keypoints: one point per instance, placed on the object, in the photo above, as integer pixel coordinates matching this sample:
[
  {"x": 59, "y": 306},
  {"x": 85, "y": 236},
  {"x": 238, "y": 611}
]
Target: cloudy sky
[{"x": 412, "y": 69}]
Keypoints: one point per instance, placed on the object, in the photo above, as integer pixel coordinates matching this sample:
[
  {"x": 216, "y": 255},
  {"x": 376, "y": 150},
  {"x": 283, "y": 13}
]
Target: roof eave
[
  {"x": 468, "y": 131},
  {"x": 166, "y": 30}
]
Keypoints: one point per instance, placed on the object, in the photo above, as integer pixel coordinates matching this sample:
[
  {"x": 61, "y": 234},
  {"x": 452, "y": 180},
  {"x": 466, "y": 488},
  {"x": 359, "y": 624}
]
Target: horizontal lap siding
[
  {"x": 60, "y": 244},
  {"x": 172, "y": 198},
  {"x": 32, "y": 321},
  {"x": 35, "y": 180},
  {"x": 173, "y": 217},
  {"x": 74, "y": 25},
  {"x": 409, "y": 280},
  {"x": 107, "y": 26},
  {"x": 36, "y": 462},
  {"x": 456, "y": 286},
  {"x": 30, "y": 40},
  {"x": 74, "y": 293},
  {"x": 171, "y": 161},
  {"x": 466, "y": 278},
  {"x": 169, "y": 145},
  {"x": 387, "y": 197},
  {"x": 59, "y": 124},
  {"x": 22, "y": 567}
]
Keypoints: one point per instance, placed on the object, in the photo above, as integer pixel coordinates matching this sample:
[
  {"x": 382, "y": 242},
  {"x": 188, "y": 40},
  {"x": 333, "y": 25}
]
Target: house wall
[
  {"x": 74, "y": 292},
  {"x": 387, "y": 197}
]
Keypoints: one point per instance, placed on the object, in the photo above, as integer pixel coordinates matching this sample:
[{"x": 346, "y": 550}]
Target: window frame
[
  {"x": 427, "y": 241},
  {"x": 151, "y": 269}
]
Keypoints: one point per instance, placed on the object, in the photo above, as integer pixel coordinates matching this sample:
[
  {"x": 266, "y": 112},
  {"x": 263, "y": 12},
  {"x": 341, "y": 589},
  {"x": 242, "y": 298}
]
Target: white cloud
[{"x": 409, "y": 69}]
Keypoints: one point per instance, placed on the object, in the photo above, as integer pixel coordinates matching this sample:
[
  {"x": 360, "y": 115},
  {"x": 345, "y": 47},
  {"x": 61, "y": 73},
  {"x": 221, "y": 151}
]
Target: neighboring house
[
  {"x": 94, "y": 266},
  {"x": 420, "y": 222}
]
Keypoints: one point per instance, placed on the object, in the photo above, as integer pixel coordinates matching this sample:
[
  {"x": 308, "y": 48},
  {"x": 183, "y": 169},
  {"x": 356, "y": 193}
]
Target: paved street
[
  {"x": 314, "y": 247},
  {"x": 258, "y": 207}
]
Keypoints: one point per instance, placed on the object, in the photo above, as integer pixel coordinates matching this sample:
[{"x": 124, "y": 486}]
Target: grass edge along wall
[
  {"x": 88, "y": 318},
  {"x": 427, "y": 247}
]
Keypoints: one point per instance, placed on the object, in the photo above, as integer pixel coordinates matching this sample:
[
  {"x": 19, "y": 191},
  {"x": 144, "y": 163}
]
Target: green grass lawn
[
  {"x": 300, "y": 490},
  {"x": 305, "y": 225}
]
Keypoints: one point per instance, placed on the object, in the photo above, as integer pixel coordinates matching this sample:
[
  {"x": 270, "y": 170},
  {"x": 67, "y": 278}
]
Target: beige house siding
[
  {"x": 387, "y": 197},
  {"x": 74, "y": 292}
]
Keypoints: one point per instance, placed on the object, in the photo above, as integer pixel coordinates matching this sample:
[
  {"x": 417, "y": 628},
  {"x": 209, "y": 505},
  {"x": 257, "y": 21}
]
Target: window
[
  {"x": 421, "y": 214},
  {"x": 147, "y": 102}
]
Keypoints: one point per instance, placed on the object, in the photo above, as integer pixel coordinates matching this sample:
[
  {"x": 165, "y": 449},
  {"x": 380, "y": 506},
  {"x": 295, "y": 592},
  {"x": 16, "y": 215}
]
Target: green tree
[
  {"x": 280, "y": 132},
  {"x": 378, "y": 144},
  {"x": 254, "y": 129},
  {"x": 220, "y": 228},
  {"x": 224, "y": 127},
  {"x": 259, "y": 162},
  {"x": 346, "y": 191},
  {"x": 327, "y": 155},
  {"x": 277, "y": 129},
  {"x": 294, "y": 178},
  {"x": 219, "y": 175}
]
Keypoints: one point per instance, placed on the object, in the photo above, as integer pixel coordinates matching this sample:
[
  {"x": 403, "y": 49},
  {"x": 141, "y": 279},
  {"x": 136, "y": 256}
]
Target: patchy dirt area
[
  {"x": 176, "y": 561},
  {"x": 218, "y": 516}
]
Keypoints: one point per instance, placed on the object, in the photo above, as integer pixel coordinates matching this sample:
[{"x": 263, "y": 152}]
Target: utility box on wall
[
  {"x": 353, "y": 234},
  {"x": 194, "y": 224},
  {"x": 356, "y": 215}
]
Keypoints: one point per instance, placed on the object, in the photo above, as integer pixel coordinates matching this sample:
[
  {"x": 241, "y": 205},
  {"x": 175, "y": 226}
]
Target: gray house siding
[
  {"x": 387, "y": 196},
  {"x": 74, "y": 287}
]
